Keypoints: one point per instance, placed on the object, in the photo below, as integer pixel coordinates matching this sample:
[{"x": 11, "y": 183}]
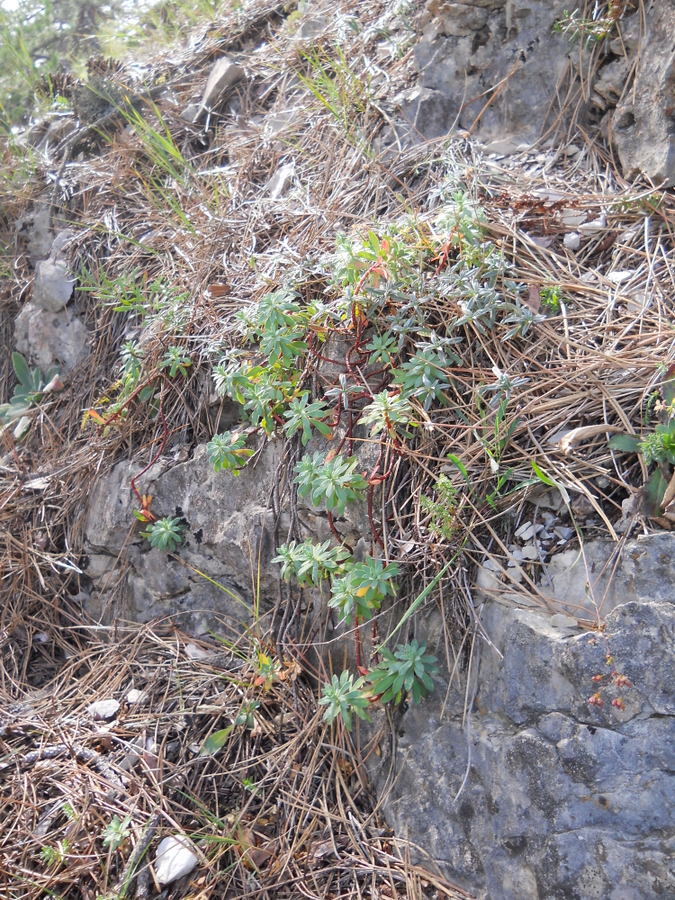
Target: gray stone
[
  {"x": 104, "y": 709},
  {"x": 544, "y": 794},
  {"x": 191, "y": 113},
  {"x": 428, "y": 113},
  {"x": 592, "y": 581},
  {"x": 468, "y": 53},
  {"x": 35, "y": 228},
  {"x": 223, "y": 75},
  {"x": 54, "y": 284},
  {"x": 456, "y": 18},
  {"x": 310, "y": 28},
  {"x": 50, "y": 339},
  {"x": 228, "y": 531},
  {"x": 643, "y": 125}
]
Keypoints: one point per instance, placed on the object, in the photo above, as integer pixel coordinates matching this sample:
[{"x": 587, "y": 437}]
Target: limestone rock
[
  {"x": 53, "y": 286},
  {"x": 35, "y": 228},
  {"x": 590, "y": 582},
  {"x": 470, "y": 48},
  {"x": 545, "y": 794},
  {"x": 50, "y": 339},
  {"x": 174, "y": 858},
  {"x": 224, "y": 75},
  {"x": 227, "y": 526},
  {"x": 643, "y": 126},
  {"x": 104, "y": 709}
]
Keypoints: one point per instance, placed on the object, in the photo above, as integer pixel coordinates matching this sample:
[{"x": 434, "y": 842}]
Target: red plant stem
[
  {"x": 377, "y": 538},
  {"x": 160, "y": 450},
  {"x": 375, "y": 637},
  {"x": 131, "y": 396},
  {"x": 358, "y": 646},
  {"x": 336, "y": 533}
]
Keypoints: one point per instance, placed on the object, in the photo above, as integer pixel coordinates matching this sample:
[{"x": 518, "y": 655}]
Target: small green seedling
[{"x": 165, "y": 534}]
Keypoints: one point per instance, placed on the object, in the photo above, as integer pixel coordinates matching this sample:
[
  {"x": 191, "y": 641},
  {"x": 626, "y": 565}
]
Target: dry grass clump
[{"x": 281, "y": 810}]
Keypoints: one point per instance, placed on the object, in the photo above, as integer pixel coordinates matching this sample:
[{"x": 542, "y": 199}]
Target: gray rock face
[
  {"x": 545, "y": 795},
  {"x": 472, "y": 53},
  {"x": 51, "y": 338},
  {"x": 643, "y": 126},
  {"x": 228, "y": 529},
  {"x": 35, "y": 229},
  {"x": 493, "y": 68},
  {"x": 591, "y": 584}
]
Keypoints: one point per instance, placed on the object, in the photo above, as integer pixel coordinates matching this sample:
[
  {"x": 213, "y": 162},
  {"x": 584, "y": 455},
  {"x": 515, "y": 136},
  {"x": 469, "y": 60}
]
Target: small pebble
[
  {"x": 572, "y": 240},
  {"x": 528, "y": 531},
  {"x": 173, "y": 859},
  {"x": 135, "y": 696},
  {"x": 104, "y": 709},
  {"x": 195, "y": 652}
]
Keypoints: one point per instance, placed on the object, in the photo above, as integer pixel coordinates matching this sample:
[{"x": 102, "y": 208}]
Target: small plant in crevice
[
  {"x": 442, "y": 508},
  {"x": 408, "y": 669},
  {"x": 359, "y": 591},
  {"x": 228, "y": 451},
  {"x": 31, "y": 387},
  {"x": 55, "y": 856},
  {"x": 165, "y": 534},
  {"x": 656, "y": 447},
  {"x": 310, "y": 563},
  {"x": 551, "y": 297},
  {"x": 332, "y": 483},
  {"x": 116, "y": 832},
  {"x": 345, "y": 696},
  {"x": 575, "y": 26}
]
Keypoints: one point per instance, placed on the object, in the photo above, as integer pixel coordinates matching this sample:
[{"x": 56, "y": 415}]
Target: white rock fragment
[
  {"x": 192, "y": 651},
  {"x": 135, "y": 696},
  {"x": 224, "y": 75},
  {"x": 620, "y": 275},
  {"x": 526, "y": 531},
  {"x": 22, "y": 427},
  {"x": 572, "y": 240},
  {"x": 572, "y": 218},
  {"x": 529, "y": 552},
  {"x": 281, "y": 179},
  {"x": 594, "y": 226},
  {"x": 562, "y": 621},
  {"x": 174, "y": 858},
  {"x": 104, "y": 709},
  {"x": 53, "y": 286}
]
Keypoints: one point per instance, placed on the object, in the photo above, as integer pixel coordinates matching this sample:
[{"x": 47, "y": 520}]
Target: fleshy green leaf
[
  {"x": 215, "y": 741},
  {"x": 627, "y": 443}
]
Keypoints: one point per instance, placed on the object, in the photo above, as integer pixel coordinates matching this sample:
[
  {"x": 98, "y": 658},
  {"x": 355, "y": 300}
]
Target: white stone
[
  {"x": 104, "y": 709},
  {"x": 135, "y": 696},
  {"x": 174, "y": 859},
  {"x": 53, "y": 285}
]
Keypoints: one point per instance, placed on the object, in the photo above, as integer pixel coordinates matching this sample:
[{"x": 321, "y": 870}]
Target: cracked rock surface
[{"x": 546, "y": 795}]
